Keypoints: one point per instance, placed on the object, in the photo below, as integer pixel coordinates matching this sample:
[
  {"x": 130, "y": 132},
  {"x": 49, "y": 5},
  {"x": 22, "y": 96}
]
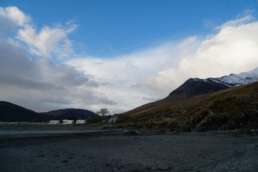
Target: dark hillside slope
[
  {"x": 70, "y": 114},
  {"x": 233, "y": 108},
  {"x": 195, "y": 86},
  {"x": 10, "y": 112},
  {"x": 190, "y": 88}
]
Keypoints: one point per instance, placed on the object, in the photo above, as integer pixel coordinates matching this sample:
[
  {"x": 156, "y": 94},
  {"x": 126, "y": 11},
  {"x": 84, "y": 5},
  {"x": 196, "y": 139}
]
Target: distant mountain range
[
  {"x": 10, "y": 112},
  {"x": 227, "y": 102}
]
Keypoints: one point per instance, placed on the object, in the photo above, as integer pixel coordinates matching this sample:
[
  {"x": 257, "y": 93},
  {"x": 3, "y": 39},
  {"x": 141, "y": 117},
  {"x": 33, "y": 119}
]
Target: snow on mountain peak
[{"x": 240, "y": 79}]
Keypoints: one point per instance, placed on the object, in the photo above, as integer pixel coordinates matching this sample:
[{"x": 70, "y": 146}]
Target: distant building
[
  {"x": 68, "y": 121},
  {"x": 54, "y": 122},
  {"x": 81, "y": 121}
]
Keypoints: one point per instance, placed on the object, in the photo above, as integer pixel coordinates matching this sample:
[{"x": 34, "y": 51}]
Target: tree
[{"x": 103, "y": 112}]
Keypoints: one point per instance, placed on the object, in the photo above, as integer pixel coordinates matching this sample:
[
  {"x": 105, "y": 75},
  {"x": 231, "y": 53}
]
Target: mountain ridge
[
  {"x": 10, "y": 112},
  {"x": 197, "y": 86},
  {"x": 198, "y": 101},
  {"x": 228, "y": 109}
]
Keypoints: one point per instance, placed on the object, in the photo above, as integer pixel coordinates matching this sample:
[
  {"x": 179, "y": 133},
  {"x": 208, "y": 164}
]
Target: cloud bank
[{"x": 29, "y": 74}]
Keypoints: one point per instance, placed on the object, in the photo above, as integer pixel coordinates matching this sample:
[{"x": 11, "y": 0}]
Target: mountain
[
  {"x": 202, "y": 102},
  {"x": 10, "y": 112},
  {"x": 197, "y": 86},
  {"x": 239, "y": 79},
  {"x": 70, "y": 114},
  {"x": 232, "y": 108}
]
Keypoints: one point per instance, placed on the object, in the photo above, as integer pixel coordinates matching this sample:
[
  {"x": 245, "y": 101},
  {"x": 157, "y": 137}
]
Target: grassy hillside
[{"x": 232, "y": 108}]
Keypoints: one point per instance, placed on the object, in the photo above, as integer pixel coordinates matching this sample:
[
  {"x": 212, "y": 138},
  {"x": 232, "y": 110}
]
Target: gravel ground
[{"x": 119, "y": 153}]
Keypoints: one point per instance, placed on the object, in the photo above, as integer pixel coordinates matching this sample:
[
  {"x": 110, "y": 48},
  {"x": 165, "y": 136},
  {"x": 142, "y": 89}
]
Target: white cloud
[
  {"x": 50, "y": 41},
  {"x": 10, "y": 19},
  {"x": 232, "y": 49},
  {"x": 47, "y": 41},
  {"x": 38, "y": 83},
  {"x": 151, "y": 74},
  {"x": 43, "y": 85},
  {"x": 119, "y": 83},
  {"x": 13, "y": 14},
  {"x": 127, "y": 79}
]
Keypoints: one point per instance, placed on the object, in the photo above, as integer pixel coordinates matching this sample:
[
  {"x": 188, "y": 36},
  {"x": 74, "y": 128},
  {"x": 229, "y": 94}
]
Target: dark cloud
[{"x": 42, "y": 85}]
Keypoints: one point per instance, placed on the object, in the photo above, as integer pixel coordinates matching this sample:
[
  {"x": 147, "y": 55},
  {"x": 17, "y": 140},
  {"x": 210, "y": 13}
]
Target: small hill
[
  {"x": 231, "y": 108},
  {"x": 10, "y": 112},
  {"x": 70, "y": 114}
]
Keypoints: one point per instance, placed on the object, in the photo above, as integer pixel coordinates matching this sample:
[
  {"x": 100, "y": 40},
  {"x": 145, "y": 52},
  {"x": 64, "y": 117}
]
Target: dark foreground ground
[{"x": 120, "y": 153}]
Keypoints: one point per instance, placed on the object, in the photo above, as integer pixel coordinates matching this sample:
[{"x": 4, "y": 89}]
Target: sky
[
  {"x": 119, "y": 54},
  {"x": 113, "y": 27}
]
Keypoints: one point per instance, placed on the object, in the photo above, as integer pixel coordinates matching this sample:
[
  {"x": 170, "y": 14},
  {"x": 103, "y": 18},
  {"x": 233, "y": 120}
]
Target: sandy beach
[{"x": 202, "y": 152}]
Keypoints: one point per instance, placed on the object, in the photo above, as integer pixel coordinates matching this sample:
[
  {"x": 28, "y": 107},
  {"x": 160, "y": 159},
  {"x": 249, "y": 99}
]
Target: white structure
[
  {"x": 54, "y": 122},
  {"x": 67, "y": 121},
  {"x": 81, "y": 121}
]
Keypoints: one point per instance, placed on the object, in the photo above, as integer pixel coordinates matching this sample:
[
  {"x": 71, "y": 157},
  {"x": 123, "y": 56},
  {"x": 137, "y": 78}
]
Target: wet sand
[{"x": 200, "y": 152}]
